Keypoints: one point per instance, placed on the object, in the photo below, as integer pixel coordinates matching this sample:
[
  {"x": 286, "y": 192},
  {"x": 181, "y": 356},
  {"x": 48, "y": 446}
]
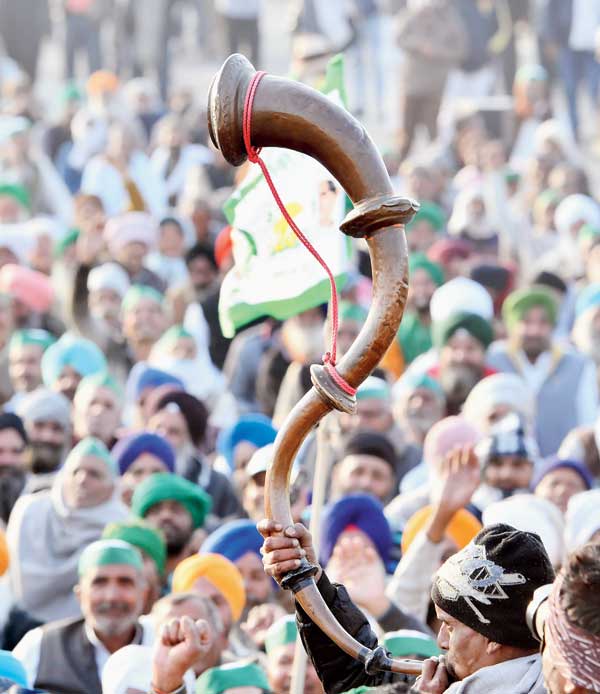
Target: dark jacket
[
  {"x": 338, "y": 671},
  {"x": 225, "y": 503}
]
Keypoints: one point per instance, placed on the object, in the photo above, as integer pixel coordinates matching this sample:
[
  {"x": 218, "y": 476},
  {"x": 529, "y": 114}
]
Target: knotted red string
[{"x": 329, "y": 358}]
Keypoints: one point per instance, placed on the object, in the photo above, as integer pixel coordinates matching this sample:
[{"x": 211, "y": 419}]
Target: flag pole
[{"x": 322, "y": 465}]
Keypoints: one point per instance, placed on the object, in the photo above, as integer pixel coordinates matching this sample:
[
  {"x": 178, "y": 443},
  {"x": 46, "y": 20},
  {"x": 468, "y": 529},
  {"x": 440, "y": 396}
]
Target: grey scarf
[{"x": 517, "y": 676}]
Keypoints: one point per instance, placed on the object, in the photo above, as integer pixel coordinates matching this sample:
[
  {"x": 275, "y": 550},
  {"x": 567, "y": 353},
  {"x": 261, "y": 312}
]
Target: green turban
[
  {"x": 429, "y": 212},
  {"x": 105, "y": 552},
  {"x": 91, "y": 447},
  {"x": 217, "y": 680},
  {"x": 136, "y": 293},
  {"x": 165, "y": 486},
  {"x": 475, "y": 325},
  {"x": 143, "y": 536},
  {"x": 31, "y": 336},
  {"x": 518, "y": 303},
  {"x": 407, "y": 642},
  {"x": 420, "y": 261},
  {"x": 354, "y": 312},
  {"x": 281, "y": 633},
  {"x": 16, "y": 192}
]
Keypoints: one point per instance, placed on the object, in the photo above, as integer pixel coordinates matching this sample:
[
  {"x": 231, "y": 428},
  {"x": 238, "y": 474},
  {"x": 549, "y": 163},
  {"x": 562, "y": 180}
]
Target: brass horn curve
[{"x": 291, "y": 115}]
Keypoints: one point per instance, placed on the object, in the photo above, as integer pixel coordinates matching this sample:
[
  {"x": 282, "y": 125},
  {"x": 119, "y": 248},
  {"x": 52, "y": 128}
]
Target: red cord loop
[{"x": 329, "y": 359}]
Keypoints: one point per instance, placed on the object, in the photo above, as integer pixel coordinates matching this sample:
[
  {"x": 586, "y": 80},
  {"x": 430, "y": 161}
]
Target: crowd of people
[{"x": 462, "y": 523}]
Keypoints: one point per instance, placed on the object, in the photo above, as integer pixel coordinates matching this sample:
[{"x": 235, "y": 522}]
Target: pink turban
[
  {"x": 131, "y": 227},
  {"x": 447, "y": 434},
  {"x": 29, "y": 286}
]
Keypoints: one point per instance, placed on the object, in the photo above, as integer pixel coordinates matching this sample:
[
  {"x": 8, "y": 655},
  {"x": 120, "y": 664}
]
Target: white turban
[
  {"x": 534, "y": 515},
  {"x": 582, "y": 519},
  {"x": 576, "y": 208},
  {"x": 461, "y": 295},
  {"x": 108, "y": 276},
  {"x": 43, "y": 405},
  {"x": 131, "y": 227},
  {"x": 499, "y": 389}
]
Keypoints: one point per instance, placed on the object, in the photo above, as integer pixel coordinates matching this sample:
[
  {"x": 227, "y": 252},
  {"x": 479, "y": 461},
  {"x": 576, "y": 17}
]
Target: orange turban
[
  {"x": 462, "y": 528},
  {"x": 101, "y": 81},
  {"x": 221, "y": 572},
  {"x": 4, "y": 558}
]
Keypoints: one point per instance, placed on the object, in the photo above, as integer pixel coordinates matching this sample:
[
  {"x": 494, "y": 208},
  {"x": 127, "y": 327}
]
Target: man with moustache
[
  {"x": 419, "y": 402},
  {"x": 563, "y": 380},
  {"x": 46, "y": 416},
  {"x": 67, "y": 657}
]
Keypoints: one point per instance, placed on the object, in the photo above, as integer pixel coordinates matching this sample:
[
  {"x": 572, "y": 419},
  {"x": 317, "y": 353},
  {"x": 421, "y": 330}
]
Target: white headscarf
[
  {"x": 582, "y": 519},
  {"x": 499, "y": 389}
]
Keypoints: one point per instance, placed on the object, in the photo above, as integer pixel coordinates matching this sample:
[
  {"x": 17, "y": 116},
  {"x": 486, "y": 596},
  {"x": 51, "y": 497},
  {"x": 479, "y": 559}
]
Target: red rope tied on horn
[{"x": 329, "y": 358}]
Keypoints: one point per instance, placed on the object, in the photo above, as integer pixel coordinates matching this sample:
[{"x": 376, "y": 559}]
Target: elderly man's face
[
  {"x": 533, "y": 333},
  {"x": 279, "y": 672},
  {"x": 461, "y": 365},
  {"x": 47, "y": 440},
  {"x": 87, "y": 483},
  {"x": 206, "y": 589},
  {"x": 259, "y": 587},
  {"x": 364, "y": 473},
  {"x": 131, "y": 256},
  {"x": 98, "y": 415},
  {"x": 145, "y": 322},
  {"x": 111, "y": 598},
  {"x": 421, "y": 289},
  {"x": 466, "y": 647},
  {"x": 422, "y": 409},
  {"x": 24, "y": 367},
  {"x": 176, "y": 523},
  {"x": 105, "y": 305},
  {"x": 172, "y": 426}
]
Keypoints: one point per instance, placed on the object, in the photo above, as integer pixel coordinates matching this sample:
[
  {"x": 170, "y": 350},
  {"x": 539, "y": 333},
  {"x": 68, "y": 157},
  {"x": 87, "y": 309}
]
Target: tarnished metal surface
[{"x": 290, "y": 115}]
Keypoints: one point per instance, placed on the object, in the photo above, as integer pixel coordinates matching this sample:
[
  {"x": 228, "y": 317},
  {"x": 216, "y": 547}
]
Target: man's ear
[
  {"x": 492, "y": 647},
  {"x": 77, "y": 591}
]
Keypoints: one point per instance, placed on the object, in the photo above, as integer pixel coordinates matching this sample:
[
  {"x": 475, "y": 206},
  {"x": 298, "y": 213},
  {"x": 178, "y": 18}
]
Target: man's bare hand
[
  {"x": 180, "y": 644},
  {"x": 260, "y": 619},
  {"x": 283, "y": 550},
  {"x": 434, "y": 678}
]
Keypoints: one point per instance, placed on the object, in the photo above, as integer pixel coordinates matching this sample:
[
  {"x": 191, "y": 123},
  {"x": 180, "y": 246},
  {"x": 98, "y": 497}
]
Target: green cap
[
  {"x": 519, "y": 302},
  {"x": 169, "y": 339},
  {"x": 164, "y": 486},
  {"x": 361, "y": 690},
  {"x": 281, "y": 633},
  {"x": 419, "y": 261},
  {"x": 104, "y": 552},
  {"x": 136, "y": 293},
  {"x": 138, "y": 533},
  {"x": 351, "y": 311},
  {"x": 217, "y": 680},
  {"x": 407, "y": 642},
  {"x": 588, "y": 233},
  {"x": 68, "y": 240},
  {"x": 71, "y": 92},
  {"x": 31, "y": 336},
  {"x": 91, "y": 447},
  {"x": 476, "y": 326},
  {"x": 373, "y": 388},
  {"x": 17, "y": 192},
  {"x": 429, "y": 212},
  {"x": 99, "y": 380}
]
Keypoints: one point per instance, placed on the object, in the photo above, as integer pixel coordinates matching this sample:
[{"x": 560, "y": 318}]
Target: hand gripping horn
[{"x": 291, "y": 115}]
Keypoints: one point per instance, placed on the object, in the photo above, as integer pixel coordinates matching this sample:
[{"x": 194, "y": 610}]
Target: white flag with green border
[{"x": 273, "y": 273}]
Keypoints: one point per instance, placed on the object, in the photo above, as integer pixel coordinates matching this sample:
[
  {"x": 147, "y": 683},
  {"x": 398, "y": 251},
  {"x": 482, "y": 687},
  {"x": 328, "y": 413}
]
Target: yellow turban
[
  {"x": 221, "y": 572},
  {"x": 461, "y": 530},
  {"x": 4, "y": 558}
]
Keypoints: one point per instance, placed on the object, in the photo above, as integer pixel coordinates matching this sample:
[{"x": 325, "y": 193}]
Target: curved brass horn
[{"x": 291, "y": 115}]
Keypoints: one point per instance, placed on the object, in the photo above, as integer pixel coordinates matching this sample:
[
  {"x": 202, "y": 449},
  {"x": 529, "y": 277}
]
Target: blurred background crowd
[{"x": 128, "y": 417}]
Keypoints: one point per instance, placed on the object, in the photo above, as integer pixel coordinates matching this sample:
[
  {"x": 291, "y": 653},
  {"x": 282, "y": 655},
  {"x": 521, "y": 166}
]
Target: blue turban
[
  {"x": 143, "y": 376},
  {"x": 362, "y": 511},
  {"x": 233, "y": 540},
  {"x": 12, "y": 669},
  {"x": 84, "y": 356},
  {"x": 255, "y": 428},
  {"x": 555, "y": 463},
  {"x": 589, "y": 298},
  {"x": 129, "y": 449}
]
